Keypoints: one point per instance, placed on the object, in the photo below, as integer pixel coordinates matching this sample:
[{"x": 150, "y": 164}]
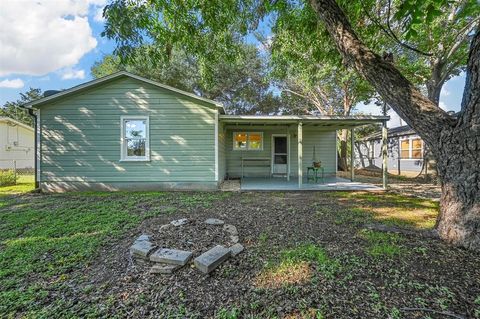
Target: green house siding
[
  {"x": 80, "y": 138},
  {"x": 324, "y": 141}
]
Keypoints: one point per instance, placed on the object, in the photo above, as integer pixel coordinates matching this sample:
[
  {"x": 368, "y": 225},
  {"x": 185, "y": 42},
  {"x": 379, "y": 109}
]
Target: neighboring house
[
  {"x": 127, "y": 132},
  {"x": 405, "y": 150},
  {"x": 17, "y": 144}
]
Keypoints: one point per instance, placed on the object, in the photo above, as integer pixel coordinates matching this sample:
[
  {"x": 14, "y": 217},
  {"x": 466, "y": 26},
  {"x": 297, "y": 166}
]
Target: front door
[{"x": 280, "y": 154}]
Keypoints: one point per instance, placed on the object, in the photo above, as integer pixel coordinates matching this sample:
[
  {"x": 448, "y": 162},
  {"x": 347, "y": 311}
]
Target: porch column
[
  {"x": 352, "y": 155},
  {"x": 287, "y": 133},
  {"x": 300, "y": 154},
  {"x": 384, "y": 154}
]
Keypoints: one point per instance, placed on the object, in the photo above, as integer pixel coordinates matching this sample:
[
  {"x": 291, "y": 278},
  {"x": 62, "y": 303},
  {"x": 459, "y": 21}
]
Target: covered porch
[{"x": 275, "y": 152}]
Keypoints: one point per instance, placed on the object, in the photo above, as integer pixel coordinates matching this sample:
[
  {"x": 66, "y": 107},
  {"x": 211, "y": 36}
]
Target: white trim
[
  {"x": 15, "y": 122},
  {"x": 234, "y": 148},
  {"x": 410, "y": 147},
  {"x": 216, "y": 146},
  {"x": 272, "y": 152},
  {"x": 302, "y": 117},
  {"x": 39, "y": 146},
  {"x": 123, "y": 156},
  {"x": 117, "y": 75},
  {"x": 300, "y": 153}
]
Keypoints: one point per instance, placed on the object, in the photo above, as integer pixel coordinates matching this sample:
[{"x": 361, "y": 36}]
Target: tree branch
[
  {"x": 417, "y": 110},
  {"x": 471, "y": 94}
]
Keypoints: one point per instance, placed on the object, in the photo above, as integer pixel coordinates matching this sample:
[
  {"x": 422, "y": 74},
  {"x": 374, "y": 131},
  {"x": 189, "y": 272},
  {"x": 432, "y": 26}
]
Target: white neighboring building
[{"x": 17, "y": 143}]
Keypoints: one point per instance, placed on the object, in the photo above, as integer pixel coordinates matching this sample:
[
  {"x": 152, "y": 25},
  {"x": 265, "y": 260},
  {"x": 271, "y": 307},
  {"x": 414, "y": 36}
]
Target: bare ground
[{"x": 361, "y": 276}]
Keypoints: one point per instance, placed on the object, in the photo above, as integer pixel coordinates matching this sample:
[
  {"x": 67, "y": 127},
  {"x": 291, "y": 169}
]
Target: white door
[{"x": 280, "y": 154}]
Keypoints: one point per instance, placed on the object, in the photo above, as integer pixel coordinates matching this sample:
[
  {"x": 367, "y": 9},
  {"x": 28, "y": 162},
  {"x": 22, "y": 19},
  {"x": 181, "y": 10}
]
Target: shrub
[{"x": 7, "y": 177}]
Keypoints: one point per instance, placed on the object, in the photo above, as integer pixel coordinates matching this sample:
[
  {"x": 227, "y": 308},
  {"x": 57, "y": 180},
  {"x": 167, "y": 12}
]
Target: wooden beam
[
  {"x": 384, "y": 154},
  {"x": 300, "y": 154},
  {"x": 352, "y": 155}
]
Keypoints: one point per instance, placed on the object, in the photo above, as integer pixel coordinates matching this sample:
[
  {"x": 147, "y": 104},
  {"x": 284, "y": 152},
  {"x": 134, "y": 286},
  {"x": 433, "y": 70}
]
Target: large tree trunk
[{"x": 455, "y": 143}]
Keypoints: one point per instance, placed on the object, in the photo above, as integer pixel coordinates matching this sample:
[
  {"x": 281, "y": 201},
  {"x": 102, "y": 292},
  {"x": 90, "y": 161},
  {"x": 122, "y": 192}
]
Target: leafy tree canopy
[
  {"x": 14, "y": 111},
  {"x": 241, "y": 85}
]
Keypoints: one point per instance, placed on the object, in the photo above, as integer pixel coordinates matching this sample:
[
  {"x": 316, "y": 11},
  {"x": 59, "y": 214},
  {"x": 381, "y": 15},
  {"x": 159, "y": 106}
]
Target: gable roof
[
  {"x": 8, "y": 120},
  {"x": 96, "y": 82}
]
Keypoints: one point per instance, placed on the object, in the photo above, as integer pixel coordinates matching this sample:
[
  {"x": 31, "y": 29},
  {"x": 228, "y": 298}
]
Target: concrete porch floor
[{"x": 279, "y": 183}]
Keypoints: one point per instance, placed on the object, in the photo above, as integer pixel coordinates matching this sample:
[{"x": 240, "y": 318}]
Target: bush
[{"x": 7, "y": 178}]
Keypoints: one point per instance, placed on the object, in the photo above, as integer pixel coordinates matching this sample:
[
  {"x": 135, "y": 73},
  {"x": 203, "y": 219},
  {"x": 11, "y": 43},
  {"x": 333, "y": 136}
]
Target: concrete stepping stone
[
  {"x": 232, "y": 230},
  {"x": 214, "y": 221},
  {"x": 164, "y": 269},
  {"x": 179, "y": 222},
  {"x": 143, "y": 238},
  {"x": 211, "y": 259},
  {"x": 234, "y": 239},
  {"x": 171, "y": 256},
  {"x": 142, "y": 248},
  {"x": 236, "y": 249}
]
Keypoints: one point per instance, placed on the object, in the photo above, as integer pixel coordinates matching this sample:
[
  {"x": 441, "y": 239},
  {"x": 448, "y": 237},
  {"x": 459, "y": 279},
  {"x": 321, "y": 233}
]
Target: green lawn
[{"x": 53, "y": 245}]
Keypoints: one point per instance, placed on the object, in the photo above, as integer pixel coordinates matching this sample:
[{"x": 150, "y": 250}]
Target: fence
[{"x": 15, "y": 171}]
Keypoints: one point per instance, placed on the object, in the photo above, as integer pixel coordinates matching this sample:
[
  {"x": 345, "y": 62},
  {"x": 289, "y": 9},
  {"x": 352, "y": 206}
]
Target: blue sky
[{"x": 52, "y": 44}]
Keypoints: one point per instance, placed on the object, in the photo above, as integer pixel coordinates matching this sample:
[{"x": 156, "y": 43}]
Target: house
[
  {"x": 405, "y": 150},
  {"x": 127, "y": 132},
  {"x": 16, "y": 144}
]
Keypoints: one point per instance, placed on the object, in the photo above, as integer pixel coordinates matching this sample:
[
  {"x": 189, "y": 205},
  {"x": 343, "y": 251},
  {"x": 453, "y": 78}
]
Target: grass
[
  {"x": 382, "y": 244},
  {"x": 44, "y": 238},
  {"x": 387, "y": 208},
  {"x": 25, "y": 183}
]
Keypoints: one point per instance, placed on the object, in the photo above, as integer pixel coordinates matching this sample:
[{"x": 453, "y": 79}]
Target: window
[
  {"x": 251, "y": 141},
  {"x": 405, "y": 148},
  {"x": 417, "y": 147},
  {"x": 135, "y": 139}
]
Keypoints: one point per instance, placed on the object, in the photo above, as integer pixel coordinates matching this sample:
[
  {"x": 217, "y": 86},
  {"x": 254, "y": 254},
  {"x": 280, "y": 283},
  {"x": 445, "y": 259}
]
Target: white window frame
[
  {"x": 235, "y": 148},
  {"x": 410, "y": 147},
  {"x": 123, "y": 145}
]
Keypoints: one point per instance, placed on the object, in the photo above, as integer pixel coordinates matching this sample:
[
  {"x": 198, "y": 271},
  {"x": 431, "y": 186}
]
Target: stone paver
[
  {"x": 179, "y": 222},
  {"x": 171, "y": 256},
  {"x": 163, "y": 268},
  {"x": 236, "y": 249},
  {"x": 234, "y": 239},
  {"x": 232, "y": 230},
  {"x": 143, "y": 237},
  {"x": 211, "y": 259},
  {"x": 214, "y": 221},
  {"x": 142, "y": 248}
]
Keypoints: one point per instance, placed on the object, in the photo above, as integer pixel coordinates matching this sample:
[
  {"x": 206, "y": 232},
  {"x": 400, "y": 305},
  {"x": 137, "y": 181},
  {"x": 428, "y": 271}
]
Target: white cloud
[
  {"x": 443, "y": 106},
  {"x": 71, "y": 74},
  {"x": 12, "y": 84},
  {"x": 444, "y": 92},
  {"x": 41, "y": 36},
  {"x": 98, "y": 17}
]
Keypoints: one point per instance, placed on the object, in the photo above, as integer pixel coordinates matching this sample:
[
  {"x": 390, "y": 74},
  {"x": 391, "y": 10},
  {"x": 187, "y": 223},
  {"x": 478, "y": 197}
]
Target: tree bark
[{"x": 454, "y": 143}]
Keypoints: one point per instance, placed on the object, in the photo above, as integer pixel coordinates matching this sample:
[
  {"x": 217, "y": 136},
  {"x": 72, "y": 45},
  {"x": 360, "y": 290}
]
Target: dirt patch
[{"x": 422, "y": 273}]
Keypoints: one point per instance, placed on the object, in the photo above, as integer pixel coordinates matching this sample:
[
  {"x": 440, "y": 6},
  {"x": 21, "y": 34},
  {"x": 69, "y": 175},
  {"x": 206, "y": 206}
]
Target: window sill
[{"x": 135, "y": 160}]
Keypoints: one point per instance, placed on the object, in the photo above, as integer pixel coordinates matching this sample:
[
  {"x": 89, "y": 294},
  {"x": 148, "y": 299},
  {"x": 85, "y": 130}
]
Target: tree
[
  {"x": 241, "y": 85},
  {"x": 435, "y": 52},
  {"x": 206, "y": 29},
  {"x": 14, "y": 111}
]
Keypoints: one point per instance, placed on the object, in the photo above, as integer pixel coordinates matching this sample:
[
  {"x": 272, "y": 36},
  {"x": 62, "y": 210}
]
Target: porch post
[
  {"x": 352, "y": 155},
  {"x": 384, "y": 154},
  {"x": 300, "y": 154},
  {"x": 288, "y": 152}
]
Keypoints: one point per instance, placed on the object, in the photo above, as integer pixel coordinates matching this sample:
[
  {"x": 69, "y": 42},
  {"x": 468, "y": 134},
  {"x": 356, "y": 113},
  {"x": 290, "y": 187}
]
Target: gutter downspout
[{"x": 34, "y": 116}]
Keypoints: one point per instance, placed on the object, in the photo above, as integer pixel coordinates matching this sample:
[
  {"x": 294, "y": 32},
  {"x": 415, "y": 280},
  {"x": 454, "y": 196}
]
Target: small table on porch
[{"x": 314, "y": 176}]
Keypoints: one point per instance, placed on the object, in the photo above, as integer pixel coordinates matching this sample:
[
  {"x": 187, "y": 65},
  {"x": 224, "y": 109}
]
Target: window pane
[
  {"x": 240, "y": 140},
  {"x": 405, "y": 154},
  {"x": 255, "y": 141},
  {"x": 280, "y": 144},
  {"x": 417, "y": 144},
  {"x": 135, "y": 128},
  {"x": 417, "y": 154},
  {"x": 405, "y": 145},
  {"x": 136, "y": 147}
]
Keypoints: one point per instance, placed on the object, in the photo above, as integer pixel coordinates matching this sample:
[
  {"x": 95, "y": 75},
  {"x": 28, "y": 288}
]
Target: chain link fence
[{"x": 13, "y": 172}]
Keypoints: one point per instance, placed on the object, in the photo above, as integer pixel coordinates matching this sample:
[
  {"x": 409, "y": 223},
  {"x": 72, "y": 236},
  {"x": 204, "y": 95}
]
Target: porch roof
[{"x": 327, "y": 121}]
